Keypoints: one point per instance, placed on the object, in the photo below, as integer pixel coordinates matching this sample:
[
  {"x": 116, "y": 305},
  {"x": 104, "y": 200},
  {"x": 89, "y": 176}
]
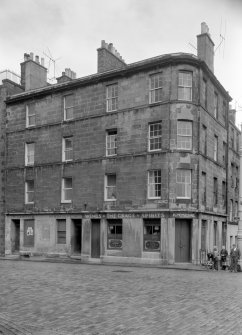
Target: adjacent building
[
  {"x": 131, "y": 164},
  {"x": 9, "y": 84}
]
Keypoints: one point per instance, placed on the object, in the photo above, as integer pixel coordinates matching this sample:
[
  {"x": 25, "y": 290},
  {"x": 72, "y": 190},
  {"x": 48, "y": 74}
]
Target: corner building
[{"x": 126, "y": 165}]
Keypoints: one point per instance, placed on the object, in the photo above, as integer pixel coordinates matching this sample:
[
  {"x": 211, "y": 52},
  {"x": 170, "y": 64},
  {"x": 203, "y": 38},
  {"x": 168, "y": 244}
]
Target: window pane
[
  {"x": 69, "y": 101},
  {"x": 111, "y": 192},
  {"x": 156, "y": 88},
  {"x": 112, "y": 97},
  {"x": 155, "y": 136},
  {"x": 185, "y": 86},
  {"x": 154, "y": 184},
  {"x": 184, "y": 135},
  {"x": 183, "y": 183},
  {"x": 111, "y": 180}
]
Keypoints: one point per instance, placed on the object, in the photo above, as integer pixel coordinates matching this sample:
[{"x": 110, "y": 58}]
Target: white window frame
[
  {"x": 111, "y": 142},
  {"x": 28, "y": 192},
  {"x": 154, "y": 185},
  {"x": 29, "y": 156},
  {"x": 112, "y": 97},
  {"x": 108, "y": 186},
  {"x": 157, "y": 137},
  {"x": 64, "y": 189},
  {"x": 215, "y": 148},
  {"x": 184, "y": 84},
  {"x": 66, "y": 108},
  {"x": 29, "y": 116},
  {"x": 156, "y": 85},
  {"x": 185, "y": 135},
  {"x": 187, "y": 183},
  {"x": 66, "y": 151}
]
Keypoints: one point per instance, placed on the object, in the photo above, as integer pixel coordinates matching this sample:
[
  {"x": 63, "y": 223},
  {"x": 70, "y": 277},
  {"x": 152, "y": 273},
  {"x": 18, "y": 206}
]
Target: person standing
[
  {"x": 215, "y": 257},
  {"x": 223, "y": 255},
  {"x": 234, "y": 257}
]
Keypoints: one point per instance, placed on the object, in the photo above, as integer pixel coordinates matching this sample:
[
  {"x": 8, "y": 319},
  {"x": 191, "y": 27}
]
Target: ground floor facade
[{"x": 121, "y": 237}]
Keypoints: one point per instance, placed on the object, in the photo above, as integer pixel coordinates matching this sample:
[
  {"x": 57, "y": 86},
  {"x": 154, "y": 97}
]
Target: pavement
[{"x": 59, "y": 298}]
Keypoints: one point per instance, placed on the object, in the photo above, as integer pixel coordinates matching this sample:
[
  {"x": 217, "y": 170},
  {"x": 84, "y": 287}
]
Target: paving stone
[{"x": 38, "y": 298}]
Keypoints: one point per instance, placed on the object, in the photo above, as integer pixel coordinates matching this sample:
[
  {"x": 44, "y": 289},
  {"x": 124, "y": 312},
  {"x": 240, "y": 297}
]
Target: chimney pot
[
  {"x": 42, "y": 61},
  {"x": 26, "y": 56},
  {"x": 31, "y": 55},
  {"x": 37, "y": 59}
]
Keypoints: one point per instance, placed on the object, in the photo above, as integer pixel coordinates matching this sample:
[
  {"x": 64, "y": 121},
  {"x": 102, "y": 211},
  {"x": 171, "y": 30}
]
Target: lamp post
[{"x": 239, "y": 236}]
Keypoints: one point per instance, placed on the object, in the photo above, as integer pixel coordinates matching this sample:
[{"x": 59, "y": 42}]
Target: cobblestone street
[{"x": 54, "y": 298}]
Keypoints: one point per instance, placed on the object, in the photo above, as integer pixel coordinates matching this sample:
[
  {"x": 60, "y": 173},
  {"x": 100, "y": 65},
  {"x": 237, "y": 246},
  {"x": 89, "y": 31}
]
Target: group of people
[{"x": 221, "y": 256}]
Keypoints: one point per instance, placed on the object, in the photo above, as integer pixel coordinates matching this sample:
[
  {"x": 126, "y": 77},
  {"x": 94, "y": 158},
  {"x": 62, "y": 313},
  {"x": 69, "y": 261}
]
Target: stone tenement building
[{"x": 131, "y": 164}]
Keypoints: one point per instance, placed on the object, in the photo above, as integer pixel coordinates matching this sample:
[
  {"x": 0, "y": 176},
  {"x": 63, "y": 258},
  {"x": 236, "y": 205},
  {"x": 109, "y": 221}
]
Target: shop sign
[
  {"x": 184, "y": 215},
  {"x": 148, "y": 215}
]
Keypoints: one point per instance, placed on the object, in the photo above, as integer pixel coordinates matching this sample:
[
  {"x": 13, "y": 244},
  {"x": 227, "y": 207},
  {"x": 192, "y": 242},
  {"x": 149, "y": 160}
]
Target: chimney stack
[
  {"x": 66, "y": 76},
  {"x": 108, "y": 58},
  {"x": 33, "y": 74},
  {"x": 205, "y": 46}
]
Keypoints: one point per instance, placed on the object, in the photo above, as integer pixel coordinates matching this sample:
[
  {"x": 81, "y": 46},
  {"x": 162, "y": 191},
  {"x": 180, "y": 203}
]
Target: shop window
[
  {"x": 152, "y": 232},
  {"x": 156, "y": 87},
  {"x": 115, "y": 234},
  {"x": 61, "y": 231}
]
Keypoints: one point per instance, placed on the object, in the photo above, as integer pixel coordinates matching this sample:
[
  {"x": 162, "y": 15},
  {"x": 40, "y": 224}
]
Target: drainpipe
[{"x": 239, "y": 236}]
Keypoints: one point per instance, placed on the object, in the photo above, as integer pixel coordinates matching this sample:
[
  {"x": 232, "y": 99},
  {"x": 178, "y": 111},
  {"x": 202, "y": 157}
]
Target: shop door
[
  {"x": 182, "y": 241},
  {"x": 16, "y": 233},
  {"x": 95, "y": 245},
  {"x": 77, "y": 238}
]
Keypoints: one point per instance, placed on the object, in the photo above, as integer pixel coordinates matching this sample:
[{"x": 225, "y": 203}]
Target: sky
[{"x": 70, "y": 31}]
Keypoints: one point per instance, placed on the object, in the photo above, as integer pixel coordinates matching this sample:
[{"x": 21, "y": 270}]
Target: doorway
[
  {"x": 77, "y": 236},
  {"x": 16, "y": 236},
  {"x": 183, "y": 241},
  {"x": 95, "y": 239}
]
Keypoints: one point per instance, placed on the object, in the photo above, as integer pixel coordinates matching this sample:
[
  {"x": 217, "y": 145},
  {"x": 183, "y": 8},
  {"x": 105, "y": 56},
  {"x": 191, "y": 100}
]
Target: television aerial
[
  {"x": 51, "y": 65},
  {"x": 222, "y": 37}
]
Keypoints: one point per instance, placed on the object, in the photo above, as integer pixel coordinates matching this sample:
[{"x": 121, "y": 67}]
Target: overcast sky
[{"x": 70, "y": 31}]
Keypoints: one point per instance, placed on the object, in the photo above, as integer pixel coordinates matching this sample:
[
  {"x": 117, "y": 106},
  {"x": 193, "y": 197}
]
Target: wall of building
[{"x": 131, "y": 165}]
